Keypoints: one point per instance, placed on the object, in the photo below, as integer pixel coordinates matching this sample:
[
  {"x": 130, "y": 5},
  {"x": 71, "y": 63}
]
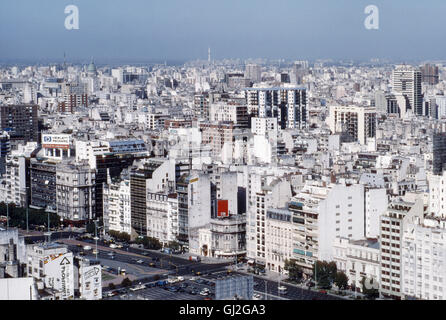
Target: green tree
[
  {"x": 124, "y": 236},
  {"x": 149, "y": 243},
  {"x": 174, "y": 245},
  {"x": 17, "y": 217},
  {"x": 341, "y": 280},
  {"x": 295, "y": 272},
  {"x": 111, "y": 286},
  {"x": 126, "y": 282},
  {"x": 324, "y": 273},
  {"x": 370, "y": 288},
  {"x": 91, "y": 228}
]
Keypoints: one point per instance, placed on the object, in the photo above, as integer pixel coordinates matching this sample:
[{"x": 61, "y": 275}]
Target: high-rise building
[
  {"x": 407, "y": 80},
  {"x": 299, "y": 70},
  {"x": 253, "y": 72},
  {"x": 358, "y": 122},
  {"x": 5, "y": 148},
  {"x": 430, "y": 74},
  {"x": 20, "y": 121},
  {"x": 288, "y": 105},
  {"x": 392, "y": 226},
  {"x": 439, "y": 153},
  {"x": 424, "y": 259}
]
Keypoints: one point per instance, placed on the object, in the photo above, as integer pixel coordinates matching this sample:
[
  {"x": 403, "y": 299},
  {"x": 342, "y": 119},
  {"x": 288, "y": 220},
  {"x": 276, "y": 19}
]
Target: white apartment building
[
  {"x": 13, "y": 183},
  {"x": 279, "y": 239},
  {"x": 199, "y": 208},
  {"x": 75, "y": 191},
  {"x": 229, "y": 111},
  {"x": 392, "y": 225},
  {"x": 437, "y": 194},
  {"x": 359, "y": 122},
  {"x": 117, "y": 208},
  {"x": 407, "y": 80},
  {"x": 266, "y": 127},
  {"x": 322, "y": 213},
  {"x": 424, "y": 259},
  {"x": 376, "y": 203},
  {"x": 162, "y": 217},
  {"x": 266, "y": 188},
  {"x": 358, "y": 259}
]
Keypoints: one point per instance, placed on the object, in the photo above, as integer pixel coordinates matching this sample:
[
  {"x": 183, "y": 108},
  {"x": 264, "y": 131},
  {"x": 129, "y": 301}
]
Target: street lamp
[{"x": 96, "y": 237}]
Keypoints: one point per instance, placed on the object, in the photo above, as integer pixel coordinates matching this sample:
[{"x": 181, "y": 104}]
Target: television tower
[{"x": 209, "y": 55}]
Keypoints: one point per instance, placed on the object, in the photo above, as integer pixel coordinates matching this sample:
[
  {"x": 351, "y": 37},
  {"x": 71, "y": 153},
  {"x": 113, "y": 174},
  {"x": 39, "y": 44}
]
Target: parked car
[{"x": 257, "y": 296}]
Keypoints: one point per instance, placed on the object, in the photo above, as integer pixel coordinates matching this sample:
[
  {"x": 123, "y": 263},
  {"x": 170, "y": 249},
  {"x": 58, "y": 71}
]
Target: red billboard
[{"x": 222, "y": 208}]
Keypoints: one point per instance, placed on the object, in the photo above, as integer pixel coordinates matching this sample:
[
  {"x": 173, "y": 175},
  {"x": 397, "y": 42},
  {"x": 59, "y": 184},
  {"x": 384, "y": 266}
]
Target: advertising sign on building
[
  {"x": 222, "y": 208},
  {"x": 91, "y": 282},
  {"x": 59, "y": 274},
  {"x": 56, "y": 141}
]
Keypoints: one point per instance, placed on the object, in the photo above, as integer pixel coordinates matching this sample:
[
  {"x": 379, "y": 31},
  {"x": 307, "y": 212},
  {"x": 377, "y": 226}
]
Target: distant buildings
[{"x": 430, "y": 74}]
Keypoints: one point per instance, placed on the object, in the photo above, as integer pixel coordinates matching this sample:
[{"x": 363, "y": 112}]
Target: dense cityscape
[{"x": 223, "y": 179}]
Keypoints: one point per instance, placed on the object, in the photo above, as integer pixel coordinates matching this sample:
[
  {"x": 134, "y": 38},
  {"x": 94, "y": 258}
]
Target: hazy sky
[{"x": 184, "y": 29}]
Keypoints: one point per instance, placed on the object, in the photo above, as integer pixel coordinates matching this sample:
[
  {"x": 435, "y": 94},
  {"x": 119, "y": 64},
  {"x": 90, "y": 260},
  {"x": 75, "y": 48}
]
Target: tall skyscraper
[{"x": 407, "y": 80}]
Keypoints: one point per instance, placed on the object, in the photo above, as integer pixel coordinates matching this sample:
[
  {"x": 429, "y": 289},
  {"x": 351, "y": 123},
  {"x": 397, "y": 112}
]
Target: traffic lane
[
  {"x": 294, "y": 293},
  {"x": 126, "y": 263},
  {"x": 149, "y": 255},
  {"x": 162, "y": 265}
]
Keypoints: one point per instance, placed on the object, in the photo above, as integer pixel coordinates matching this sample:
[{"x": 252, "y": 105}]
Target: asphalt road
[
  {"x": 173, "y": 264},
  {"x": 182, "y": 267}
]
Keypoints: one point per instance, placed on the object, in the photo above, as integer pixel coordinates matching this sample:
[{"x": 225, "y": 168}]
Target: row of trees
[
  {"x": 120, "y": 236},
  {"x": 325, "y": 274},
  {"x": 149, "y": 243},
  {"x": 17, "y": 217}
]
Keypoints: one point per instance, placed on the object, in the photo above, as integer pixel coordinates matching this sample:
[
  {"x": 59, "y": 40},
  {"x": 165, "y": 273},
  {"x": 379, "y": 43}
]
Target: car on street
[
  {"x": 204, "y": 293},
  {"x": 172, "y": 280},
  {"x": 139, "y": 261},
  {"x": 282, "y": 290},
  {"x": 257, "y": 296}
]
